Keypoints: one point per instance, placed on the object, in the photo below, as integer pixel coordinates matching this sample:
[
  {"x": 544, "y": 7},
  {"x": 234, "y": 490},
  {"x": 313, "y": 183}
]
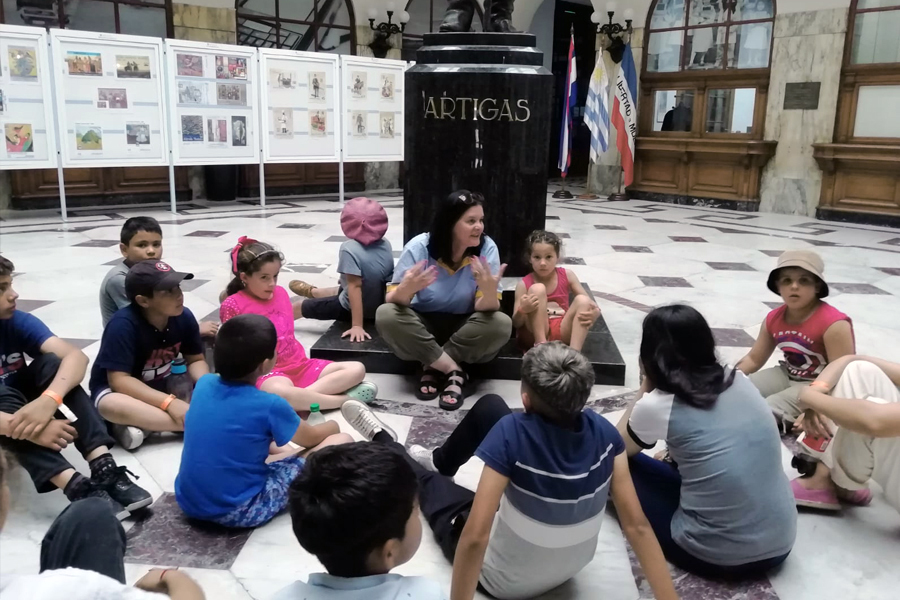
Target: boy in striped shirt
[{"x": 534, "y": 520}]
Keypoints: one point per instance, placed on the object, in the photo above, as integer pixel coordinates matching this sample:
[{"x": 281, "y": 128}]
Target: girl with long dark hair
[{"x": 721, "y": 505}]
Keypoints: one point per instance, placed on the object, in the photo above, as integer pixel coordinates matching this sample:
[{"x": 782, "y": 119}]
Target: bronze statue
[{"x": 497, "y": 15}]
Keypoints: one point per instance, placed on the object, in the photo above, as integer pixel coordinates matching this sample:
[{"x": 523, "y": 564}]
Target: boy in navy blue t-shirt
[
  {"x": 43, "y": 409},
  {"x": 534, "y": 521},
  {"x": 238, "y": 462},
  {"x": 129, "y": 377}
]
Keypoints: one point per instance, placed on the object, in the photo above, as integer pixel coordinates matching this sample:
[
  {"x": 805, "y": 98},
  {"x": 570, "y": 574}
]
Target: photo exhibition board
[
  {"x": 213, "y": 103},
  {"x": 110, "y": 102},
  {"x": 26, "y": 109},
  {"x": 373, "y": 109},
  {"x": 299, "y": 106}
]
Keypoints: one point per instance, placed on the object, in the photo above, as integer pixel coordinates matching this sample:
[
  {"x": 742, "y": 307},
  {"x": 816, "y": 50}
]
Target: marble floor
[{"x": 635, "y": 255}]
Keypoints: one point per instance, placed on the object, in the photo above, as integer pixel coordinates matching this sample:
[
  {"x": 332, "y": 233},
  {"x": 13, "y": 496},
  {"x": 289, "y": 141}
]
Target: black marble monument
[{"x": 478, "y": 114}]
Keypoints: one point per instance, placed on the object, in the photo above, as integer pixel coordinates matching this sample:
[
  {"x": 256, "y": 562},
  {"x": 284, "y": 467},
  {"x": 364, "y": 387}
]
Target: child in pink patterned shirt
[{"x": 300, "y": 380}]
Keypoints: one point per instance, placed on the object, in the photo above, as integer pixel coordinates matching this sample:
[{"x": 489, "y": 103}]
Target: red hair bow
[{"x": 242, "y": 242}]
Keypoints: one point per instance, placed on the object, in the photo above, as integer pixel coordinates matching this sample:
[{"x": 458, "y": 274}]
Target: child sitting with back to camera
[
  {"x": 366, "y": 265},
  {"x": 237, "y": 462},
  {"x": 300, "y": 380},
  {"x": 542, "y": 311},
  {"x": 355, "y": 507}
]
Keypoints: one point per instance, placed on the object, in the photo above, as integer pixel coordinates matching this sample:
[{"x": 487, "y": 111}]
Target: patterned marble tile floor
[{"x": 635, "y": 256}]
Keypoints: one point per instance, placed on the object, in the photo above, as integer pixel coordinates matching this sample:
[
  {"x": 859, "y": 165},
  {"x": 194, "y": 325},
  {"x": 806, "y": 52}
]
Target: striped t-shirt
[{"x": 546, "y": 529}]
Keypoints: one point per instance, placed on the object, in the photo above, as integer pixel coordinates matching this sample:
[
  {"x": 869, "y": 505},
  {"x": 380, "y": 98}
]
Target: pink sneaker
[
  {"x": 861, "y": 497},
  {"x": 821, "y": 499}
]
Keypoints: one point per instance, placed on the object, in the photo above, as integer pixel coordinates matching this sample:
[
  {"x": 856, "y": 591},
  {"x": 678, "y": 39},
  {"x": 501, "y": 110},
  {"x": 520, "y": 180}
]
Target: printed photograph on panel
[
  {"x": 189, "y": 65},
  {"x": 2, "y": 103},
  {"x": 113, "y": 97},
  {"x": 238, "y": 131},
  {"x": 88, "y": 136},
  {"x": 358, "y": 84},
  {"x": 387, "y": 86},
  {"x": 231, "y": 93},
  {"x": 230, "y": 67},
  {"x": 137, "y": 134},
  {"x": 132, "y": 67},
  {"x": 282, "y": 80},
  {"x": 19, "y": 138},
  {"x": 317, "y": 123},
  {"x": 283, "y": 122},
  {"x": 316, "y": 86},
  {"x": 217, "y": 130},
  {"x": 386, "y": 123},
  {"x": 190, "y": 92},
  {"x": 358, "y": 123},
  {"x": 22, "y": 63},
  {"x": 84, "y": 63},
  {"x": 191, "y": 128}
]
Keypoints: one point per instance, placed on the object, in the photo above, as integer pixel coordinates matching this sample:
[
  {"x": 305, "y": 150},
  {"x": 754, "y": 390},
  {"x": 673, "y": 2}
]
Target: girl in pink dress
[
  {"x": 543, "y": 312},
  {"x": 300, "y": 380}
]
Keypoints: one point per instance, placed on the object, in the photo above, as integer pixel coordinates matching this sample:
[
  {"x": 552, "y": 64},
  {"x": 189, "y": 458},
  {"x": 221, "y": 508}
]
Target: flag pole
[
  {"x": 620, "y": 195},
  {"x": 565, "y": 148}
]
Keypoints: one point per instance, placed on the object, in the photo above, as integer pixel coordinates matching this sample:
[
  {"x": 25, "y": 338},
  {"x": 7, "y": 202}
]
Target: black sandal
[
  {"x": 459, "y": 379},
  {"x": 429, "y": 378}
]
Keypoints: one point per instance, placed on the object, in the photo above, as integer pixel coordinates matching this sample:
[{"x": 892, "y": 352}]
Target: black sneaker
[
  {"x": 117, "y": 484},
  {"x": 83, "y": 488}
]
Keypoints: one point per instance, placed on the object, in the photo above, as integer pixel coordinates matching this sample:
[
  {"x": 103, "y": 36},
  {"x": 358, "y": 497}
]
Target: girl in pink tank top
[
  {"x": 300, "y": 380},
  {"x": 543, "y": 311},
  {"x": 809, "y": 332}
]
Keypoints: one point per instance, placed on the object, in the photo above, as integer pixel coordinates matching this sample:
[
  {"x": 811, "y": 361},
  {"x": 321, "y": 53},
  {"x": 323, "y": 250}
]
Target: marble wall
[
  {"x": 204, "y": 23},
  {"x": 808, "y": 47}
]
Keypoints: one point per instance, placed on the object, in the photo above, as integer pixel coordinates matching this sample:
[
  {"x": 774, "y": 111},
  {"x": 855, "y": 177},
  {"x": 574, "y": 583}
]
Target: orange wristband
[
  {"x": 55, "y": 396},
  {"x": 820, "y": 384},
  {"x": 167, "y": 402}
]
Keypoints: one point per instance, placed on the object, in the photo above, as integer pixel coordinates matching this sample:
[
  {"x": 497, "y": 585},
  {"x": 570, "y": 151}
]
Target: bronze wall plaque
[{"x": 801, "y": 96}]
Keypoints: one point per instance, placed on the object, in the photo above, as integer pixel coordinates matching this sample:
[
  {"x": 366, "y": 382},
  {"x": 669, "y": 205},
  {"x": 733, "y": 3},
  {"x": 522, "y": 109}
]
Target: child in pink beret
[{"x": 366, "y": 265}]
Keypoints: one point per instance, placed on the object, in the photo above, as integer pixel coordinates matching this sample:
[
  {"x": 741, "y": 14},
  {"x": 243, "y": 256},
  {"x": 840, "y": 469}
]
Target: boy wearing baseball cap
[
  {"x": 810, "y": 332},
  {"x": 128, "y": 379},
  {"x": 366, "y": 265}
]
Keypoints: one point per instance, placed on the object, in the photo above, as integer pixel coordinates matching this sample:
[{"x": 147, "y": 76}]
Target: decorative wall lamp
[
  {"x": 615, "y": 33},
  {"x": 381, "y": 44}
]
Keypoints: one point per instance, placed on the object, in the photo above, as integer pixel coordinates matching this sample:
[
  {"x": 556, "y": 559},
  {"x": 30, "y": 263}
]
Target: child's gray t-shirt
[
  {"x": 374, "y": 263},
  {"x": 736, "y": 502},
  {"x": 112, "y": 292}
]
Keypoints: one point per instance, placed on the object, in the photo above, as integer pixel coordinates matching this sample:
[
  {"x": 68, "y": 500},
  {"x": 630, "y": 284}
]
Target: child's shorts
[
  {"x": 526, "y": 338},
  {"x": 302, "y": 375},
  {"x": 273, "y": 498}
]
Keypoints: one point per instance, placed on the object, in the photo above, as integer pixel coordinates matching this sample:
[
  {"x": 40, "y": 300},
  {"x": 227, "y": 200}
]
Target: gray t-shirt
[
  {"x": 112, "y": 292},
  {"x": 374, "y": 263},
  {"x": 736, "y": 501}
]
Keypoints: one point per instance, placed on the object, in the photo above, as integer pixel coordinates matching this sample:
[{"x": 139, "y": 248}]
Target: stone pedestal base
[{"x": 478, "y": 110}]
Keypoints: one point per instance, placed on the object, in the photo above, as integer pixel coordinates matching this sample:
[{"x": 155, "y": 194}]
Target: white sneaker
[
  {"x": 127, "y": 437},
  {"x": 363, "y": 420},
  {"x": 423, "y": 456}
]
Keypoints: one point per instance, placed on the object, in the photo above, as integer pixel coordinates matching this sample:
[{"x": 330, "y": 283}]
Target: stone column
[{"x": 808, "y": 47}]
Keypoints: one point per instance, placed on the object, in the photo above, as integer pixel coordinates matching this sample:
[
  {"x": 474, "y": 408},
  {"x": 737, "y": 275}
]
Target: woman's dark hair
[
  {"x": 349, "y": 500},
  {"x": 242, "y": 344},
  {"x": 540, "y": 236},
  {"x": 678, "y": 353},
  {"x": 451, "y": 210},
  {"x": 248, "y": 257}
]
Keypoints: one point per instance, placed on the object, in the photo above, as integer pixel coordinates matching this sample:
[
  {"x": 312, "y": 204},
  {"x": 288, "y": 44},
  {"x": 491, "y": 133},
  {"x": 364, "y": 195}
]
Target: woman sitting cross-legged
[
  {"x": 860, "y": 395},
  {"x": 722, "y": 505},
  {"x": 442, "y": 306}
]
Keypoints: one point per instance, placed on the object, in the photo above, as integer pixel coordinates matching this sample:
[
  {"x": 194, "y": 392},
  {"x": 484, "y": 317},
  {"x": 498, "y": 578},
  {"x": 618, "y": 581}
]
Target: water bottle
[
  {"x": 179, "y": 382},
  {"x": 315, "y": 417}
]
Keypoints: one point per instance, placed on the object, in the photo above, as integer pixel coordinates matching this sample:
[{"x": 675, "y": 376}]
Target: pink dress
[
  {"x": 291, "y": 360},
  {"x": 557, "y": 307}
]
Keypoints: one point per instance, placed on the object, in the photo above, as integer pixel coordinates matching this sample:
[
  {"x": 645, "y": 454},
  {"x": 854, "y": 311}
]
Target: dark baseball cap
[{"x": 148, "y": 276}]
